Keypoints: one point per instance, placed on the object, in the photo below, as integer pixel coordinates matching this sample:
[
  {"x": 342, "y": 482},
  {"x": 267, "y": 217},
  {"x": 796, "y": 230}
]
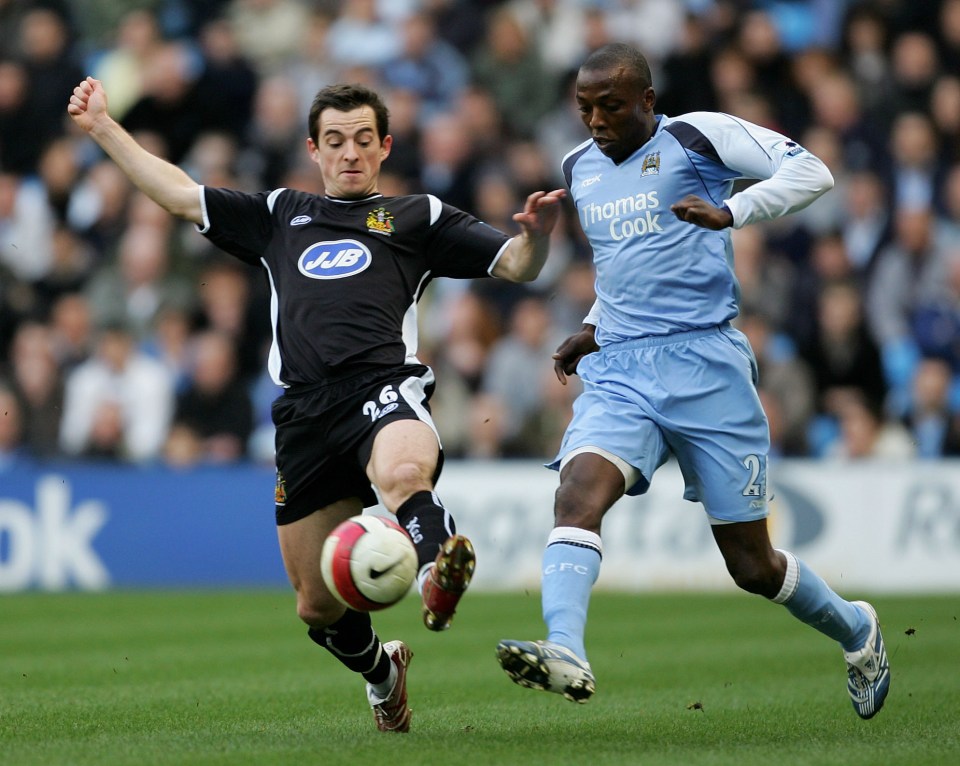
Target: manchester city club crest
[{"x": 650, "y": 165}]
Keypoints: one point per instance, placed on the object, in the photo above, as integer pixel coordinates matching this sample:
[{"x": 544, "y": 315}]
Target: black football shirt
[{"x": 345, "y": 275}]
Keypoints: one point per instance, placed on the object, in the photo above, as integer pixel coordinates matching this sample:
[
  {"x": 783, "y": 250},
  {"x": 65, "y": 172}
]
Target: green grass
[{"x": 231, "y": 678}]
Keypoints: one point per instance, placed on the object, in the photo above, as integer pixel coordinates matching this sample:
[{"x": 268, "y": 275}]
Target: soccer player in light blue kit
[{"x": 664, "y": 372}]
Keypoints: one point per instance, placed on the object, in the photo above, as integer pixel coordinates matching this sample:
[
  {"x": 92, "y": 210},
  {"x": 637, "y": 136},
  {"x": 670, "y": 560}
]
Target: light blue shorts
[{"x": 691, "y": 394}]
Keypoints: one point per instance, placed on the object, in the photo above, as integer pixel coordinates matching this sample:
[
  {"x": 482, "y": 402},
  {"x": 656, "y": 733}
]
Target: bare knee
[
  {"x": 403, "y": 480},
  {"x": 589, "y": 485},
  {"x": 573, "y": 507},
  {"x": 319, "y": 610},
  {"x": 762, "y": 576}
]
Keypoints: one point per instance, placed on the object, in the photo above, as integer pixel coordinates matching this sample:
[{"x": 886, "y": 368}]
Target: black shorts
[{"x": 325, "y": 435}]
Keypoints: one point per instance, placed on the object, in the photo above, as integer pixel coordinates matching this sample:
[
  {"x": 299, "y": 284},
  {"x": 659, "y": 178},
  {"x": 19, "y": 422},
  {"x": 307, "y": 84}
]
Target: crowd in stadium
[{"x": 125, "y": 336}]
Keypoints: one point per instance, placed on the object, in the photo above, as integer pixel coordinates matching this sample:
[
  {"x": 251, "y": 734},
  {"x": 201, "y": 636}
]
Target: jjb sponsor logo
[{"x": 334, "y": 260}]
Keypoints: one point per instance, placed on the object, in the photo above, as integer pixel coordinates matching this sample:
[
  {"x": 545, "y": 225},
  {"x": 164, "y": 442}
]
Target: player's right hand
[
  {"x": 572, "y": 350},
  {"x": 88, "y": 103}
]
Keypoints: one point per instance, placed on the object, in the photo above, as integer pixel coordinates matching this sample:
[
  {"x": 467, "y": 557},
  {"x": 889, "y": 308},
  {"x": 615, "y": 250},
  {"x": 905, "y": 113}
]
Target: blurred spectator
[
  {"x": 45, "y": 49},
  {"x": 123, "y": 64},
  {"x": 141, "y": 283},
  {"x": 228, "y": 80},
  {"x": 936, "y": 317},
  {"x": 269, "y": 32},
  {"x": 827, "y": 262},
  {"x": 523, "y": 353},
  {"x": 683, "y": 86},
  {"x": 462, "y": 23},
  {"x": 215, "y": 405},
  {"x": 915, "y": 167},
  {"x": 945, "y": 114},
  {"x": 948, "y": 222},
  {"x": 785, "y": 379},
  {"x": 405, "y": 160},
  {"x": 654, "y": 25},
  {"x": 949, "y": 29},
  {"x": 20, "y": 141},
  {"x": 59, "y": 171},
  {"x": 865, "y": 41},
  {"x": 71, "y": 268},
  {"x": 314, "y": 66},
  {"x": 98, "y": 205},
  {"x": 836, "y": 105},
  {"x": 914, "y": 69},
  {"x": 170, "y": 106},
  {"x": 911, "y": 271},
  {"x": 562, "y": 128},
  {"x": 263, "y": 392},
  {"x": 510, "y": 67},
  {"x": 275, "y": 139},
  {"x": 865, "y": 433},
  {"x": 360, "y": 35},
  {"x": 450, "y": 169},
  {"x": 842, "y": 355},
  {"x": 71, "y": 325},
  {"x": 759, "y": 40},
  {"x": 867, "y": 220},
  {"x": 428, "y": 66},
  {"x": 557, "y": 29},
  {"x": 36, "y": 380},
  {"x": 11, "y": 430},
  {"x": 730, "y": 76},
  {"x": 229, "y": 303},
  {"x": 118, "y": 404},
  {"x": 483, "y": 123},
  {"x": 26, "y": 228},
  {"x": 821, "y": 216},
  {"x": 930, "y": 418},
  {"x": 169, "y": 343},
  {"x": 766, "y": 278},
  {"x": 468, "y": 328}
]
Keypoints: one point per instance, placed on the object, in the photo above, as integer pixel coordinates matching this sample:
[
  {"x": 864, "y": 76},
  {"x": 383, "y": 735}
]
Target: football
[{"x": 368, "y": 563}]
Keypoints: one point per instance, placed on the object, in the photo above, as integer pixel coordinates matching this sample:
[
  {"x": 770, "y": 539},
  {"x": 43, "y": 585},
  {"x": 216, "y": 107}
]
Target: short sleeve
[{"x": 237, "y": 222}]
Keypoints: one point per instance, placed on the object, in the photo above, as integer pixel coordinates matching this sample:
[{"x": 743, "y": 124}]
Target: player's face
[
  {"x": 617, "y": 109},
  {"x": 349, "y": 152}
]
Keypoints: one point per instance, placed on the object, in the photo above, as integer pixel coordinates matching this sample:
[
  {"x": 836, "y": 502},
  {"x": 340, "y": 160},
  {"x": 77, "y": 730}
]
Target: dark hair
[
  {"x": 614, "y": 55},
  {"x": 346, "y": 98}
]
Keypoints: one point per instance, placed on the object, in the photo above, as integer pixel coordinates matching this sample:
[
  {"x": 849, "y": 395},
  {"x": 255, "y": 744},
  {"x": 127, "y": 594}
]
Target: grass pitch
[{"x": 230, "y": 678}]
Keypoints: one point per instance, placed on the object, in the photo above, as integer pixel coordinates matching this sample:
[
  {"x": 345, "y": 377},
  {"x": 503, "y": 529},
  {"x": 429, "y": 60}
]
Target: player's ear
[
  {"x": 649, "y": 99},
  {"x": 312, "y": 149},
  {"x": 385, "y": 147}
]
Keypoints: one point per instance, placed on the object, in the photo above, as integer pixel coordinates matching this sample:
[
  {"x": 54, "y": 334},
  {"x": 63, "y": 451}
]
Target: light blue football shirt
[{"x": 655, "y": 274}]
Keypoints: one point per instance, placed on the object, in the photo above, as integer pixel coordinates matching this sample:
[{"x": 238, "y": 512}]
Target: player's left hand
[
  {"x": 540, "y": 212},
  {"x": 699, "y": 212}
]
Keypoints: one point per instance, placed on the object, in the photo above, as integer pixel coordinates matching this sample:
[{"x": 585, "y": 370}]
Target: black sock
[
  {"x": 353, "y": 641},
  {"x": 427, "y": 522}
]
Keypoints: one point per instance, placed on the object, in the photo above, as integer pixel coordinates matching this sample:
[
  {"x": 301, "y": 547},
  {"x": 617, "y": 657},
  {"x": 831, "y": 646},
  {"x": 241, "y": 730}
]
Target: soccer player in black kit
[{"x": 346, "y": 271}]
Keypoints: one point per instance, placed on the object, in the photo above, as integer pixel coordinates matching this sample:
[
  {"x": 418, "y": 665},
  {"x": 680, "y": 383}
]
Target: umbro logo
[{"x": 300, "y": 220}]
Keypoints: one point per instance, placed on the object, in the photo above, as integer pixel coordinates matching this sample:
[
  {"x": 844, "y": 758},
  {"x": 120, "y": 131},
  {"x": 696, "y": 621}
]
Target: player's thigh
[
  {"x": 720, "y": 435},
  {"x": 403, "y": 458},
  {"x": 610, "y": 417},
  {"x": 301, "y": 543}
]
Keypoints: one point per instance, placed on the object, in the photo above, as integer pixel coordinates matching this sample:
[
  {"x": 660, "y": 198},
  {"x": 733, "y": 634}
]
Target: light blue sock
[
  {"x": 571, "y": 563},
  {"x": 810, "y": 600}
]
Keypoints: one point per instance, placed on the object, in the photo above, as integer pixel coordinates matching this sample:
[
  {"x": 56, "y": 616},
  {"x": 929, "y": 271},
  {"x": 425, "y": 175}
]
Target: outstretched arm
[
  {"x": 527, "y": 252},
  {"x": 163, "y": 182}
]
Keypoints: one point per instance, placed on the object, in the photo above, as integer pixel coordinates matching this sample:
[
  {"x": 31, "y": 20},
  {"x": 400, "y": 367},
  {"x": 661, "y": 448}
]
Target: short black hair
[
  {"x": 614, "y": 55},
  {"x": 346, "y": 98}
]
